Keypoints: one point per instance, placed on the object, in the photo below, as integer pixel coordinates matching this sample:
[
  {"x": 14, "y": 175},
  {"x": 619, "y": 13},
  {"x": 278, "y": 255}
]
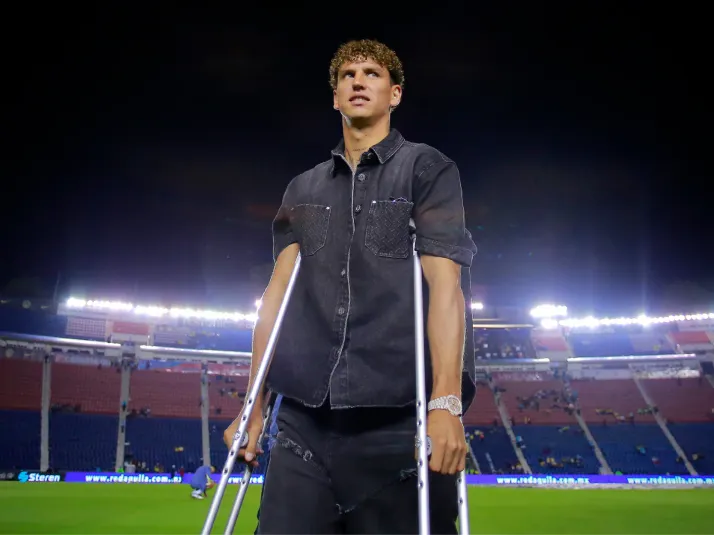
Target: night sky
[{"x": 149, "y": 147}]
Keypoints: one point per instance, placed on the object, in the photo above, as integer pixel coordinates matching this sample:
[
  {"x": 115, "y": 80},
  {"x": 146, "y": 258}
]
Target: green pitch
[{"x": 81, "y": 509}]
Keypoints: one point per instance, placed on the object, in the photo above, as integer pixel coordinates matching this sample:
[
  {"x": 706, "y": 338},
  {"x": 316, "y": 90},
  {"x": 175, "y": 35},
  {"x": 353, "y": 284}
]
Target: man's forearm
[
  {"x": 261, "y": 333},
  {"x": 446, "y": 331}
]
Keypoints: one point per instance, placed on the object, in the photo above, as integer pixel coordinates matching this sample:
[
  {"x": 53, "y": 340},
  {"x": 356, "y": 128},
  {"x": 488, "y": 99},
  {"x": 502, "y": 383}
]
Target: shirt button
[
  {"x": 341, "y": 311},
  {"x": 343, "y": 273},
  {"x": 361, "y": 177},
  {"x": 358, "y": 208}
]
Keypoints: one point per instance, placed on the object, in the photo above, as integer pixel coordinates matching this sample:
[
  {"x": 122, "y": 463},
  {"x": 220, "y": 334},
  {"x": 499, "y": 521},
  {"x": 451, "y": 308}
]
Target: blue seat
[
  {"x": 601, "y": 344},
  {"x": 20, "y": 440},
  {"x": 83, "y": 441},
  {"x": 494, "y": 453},
  {"x": 696, "y": 438},
  {"x": 619, "y": 444},
  {"x": 563, "y": 442}
]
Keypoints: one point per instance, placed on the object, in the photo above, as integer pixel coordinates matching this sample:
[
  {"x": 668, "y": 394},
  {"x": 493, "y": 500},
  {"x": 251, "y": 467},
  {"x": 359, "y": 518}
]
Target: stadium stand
[
  {"x": 610, "y": 401},
  {"x": 637, "y": 449},
  {"x": 556, "y": 449},
  {"x": 697, "y": 441},
  {"x": 604, "y": 344},
  {"x": 489, "y": 441},
  {"x": 542, "y": 401},
  {"x": 165, "y": 393},
  {"x": 91, "y": 389},
  {"x": 163, "y": 427},
  {"x": 82, "y": 441},
  {"x": 20, "y": 384},
  {"x": 20, "y": 448},
  {"x": 682, "y": 400}
]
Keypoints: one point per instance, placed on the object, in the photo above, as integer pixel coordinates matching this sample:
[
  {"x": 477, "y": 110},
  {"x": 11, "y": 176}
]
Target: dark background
[{"x": 149, "y": 145}]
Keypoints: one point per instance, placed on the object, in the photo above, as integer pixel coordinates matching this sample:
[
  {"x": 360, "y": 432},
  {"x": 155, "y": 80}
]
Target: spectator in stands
[{"x": 353, "y": 305}]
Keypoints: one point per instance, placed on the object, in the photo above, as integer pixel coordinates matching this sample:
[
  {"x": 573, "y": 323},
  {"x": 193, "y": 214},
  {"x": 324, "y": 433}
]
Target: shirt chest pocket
[
  {"x": 310, "y": 223},
  {"x": 387, "y": 232}
]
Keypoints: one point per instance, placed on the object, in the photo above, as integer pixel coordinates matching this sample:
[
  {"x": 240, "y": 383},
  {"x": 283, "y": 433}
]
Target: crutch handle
[
  {"x": 428, "y": 444},
  {"x": 244, "y": 442}
]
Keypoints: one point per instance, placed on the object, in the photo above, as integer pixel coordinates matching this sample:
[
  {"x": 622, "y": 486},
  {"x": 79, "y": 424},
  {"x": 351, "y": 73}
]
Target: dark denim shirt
[{"x": 348, "y": 331}]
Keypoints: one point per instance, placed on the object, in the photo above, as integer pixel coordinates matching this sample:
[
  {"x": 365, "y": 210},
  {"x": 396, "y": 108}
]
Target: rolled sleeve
[
  {"x": 283, "y": 232},
  {"x": 439, "y": 214}
]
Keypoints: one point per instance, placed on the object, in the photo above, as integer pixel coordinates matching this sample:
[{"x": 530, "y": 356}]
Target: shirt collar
[{"x": 383, "y": 150}]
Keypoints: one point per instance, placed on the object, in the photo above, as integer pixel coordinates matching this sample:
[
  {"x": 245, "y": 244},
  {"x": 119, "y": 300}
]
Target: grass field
[{"x": 80, "y": 508}]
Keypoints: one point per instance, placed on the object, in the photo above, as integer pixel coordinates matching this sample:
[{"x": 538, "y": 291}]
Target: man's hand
[
  {"x": 255, "y": 427},
  {"x": 448, "y": 442}
]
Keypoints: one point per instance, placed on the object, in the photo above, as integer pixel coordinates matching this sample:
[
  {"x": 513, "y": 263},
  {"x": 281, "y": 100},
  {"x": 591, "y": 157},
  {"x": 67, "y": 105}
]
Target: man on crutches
[{"x": 344, "y": 458}]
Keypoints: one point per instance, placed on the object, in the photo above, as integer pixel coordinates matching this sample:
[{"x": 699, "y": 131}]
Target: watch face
[{"x": 454, "y": 404}]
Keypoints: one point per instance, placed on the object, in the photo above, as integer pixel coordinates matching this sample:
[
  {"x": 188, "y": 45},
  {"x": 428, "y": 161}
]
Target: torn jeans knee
[{"x": 297, "y": 449}]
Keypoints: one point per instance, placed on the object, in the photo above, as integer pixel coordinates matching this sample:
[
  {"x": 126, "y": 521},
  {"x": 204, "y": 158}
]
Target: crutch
[
  {"x": 241, "y": 437},
  {"x": 248, "y": 472},
  {"x": 423, "y": 442}
]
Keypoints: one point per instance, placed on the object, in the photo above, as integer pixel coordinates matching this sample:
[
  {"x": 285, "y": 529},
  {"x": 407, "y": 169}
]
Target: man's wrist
[
  {"x": 446, "y": 386},
  {"x": 450, "y": 403}
]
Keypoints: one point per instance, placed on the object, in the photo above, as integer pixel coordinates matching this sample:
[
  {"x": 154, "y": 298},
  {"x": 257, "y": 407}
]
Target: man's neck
[{"x": 359, "y": 140}]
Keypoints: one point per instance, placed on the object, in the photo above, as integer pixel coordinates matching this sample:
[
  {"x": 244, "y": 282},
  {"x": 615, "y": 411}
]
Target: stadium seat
[
  {"x": 619, "y": 443},
  {"x": 95, "y": 389},
  {"x": 601, "y": 344},
  {"x": 20, "y": 384},
  {"x": 167, "y": 441},
  {"x": 558, "y": 442},
  {"x": 620, "y": 396},
  {"x": 83, "y": 441},
  {"x": 696, "y": 439},
  {"x": 547, "y": 411},
  {"x": 494, "y": 452},
  {"x": 682, "y": 400},
  {"x": 20, "y": 440},
  {"x": 483, "y": 410}
]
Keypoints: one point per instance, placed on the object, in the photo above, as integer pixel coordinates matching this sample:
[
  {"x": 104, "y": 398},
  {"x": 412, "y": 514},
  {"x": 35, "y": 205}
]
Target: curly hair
[{"x": 362, "y": 50}]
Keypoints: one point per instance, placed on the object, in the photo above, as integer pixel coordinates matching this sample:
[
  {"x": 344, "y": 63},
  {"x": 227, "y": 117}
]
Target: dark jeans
[{"x": 349, "y": 471}]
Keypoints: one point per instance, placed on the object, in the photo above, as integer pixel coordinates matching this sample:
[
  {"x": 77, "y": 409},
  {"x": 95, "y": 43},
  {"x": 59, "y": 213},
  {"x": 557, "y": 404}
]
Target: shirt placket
[{"x": 339, "y": 378}]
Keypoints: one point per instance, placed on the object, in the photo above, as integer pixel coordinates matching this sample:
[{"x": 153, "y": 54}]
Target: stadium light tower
[{"x": 549, "y": 311}]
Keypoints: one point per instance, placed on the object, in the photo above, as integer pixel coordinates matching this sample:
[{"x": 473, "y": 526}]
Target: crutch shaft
[
  {"x": 255, "y": 391},
  {"x": 422, "y": 453},
  {"x": 423, "y": 442},
  {"x": 463, "y": 499}
]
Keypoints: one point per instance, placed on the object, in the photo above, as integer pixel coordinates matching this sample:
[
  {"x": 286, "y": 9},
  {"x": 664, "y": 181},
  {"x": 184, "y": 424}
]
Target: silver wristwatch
[{"x": 448, "y": 403}]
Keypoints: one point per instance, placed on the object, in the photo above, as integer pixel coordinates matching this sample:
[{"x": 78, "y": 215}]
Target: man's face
[{"x": 364, "y": 91}]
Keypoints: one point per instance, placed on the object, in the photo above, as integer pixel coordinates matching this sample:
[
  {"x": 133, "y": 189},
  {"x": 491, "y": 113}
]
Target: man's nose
[{"x": 358, "y": 81}]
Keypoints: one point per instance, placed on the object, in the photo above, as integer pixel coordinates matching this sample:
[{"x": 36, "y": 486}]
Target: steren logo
[{"x": 24, "y": 477}]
